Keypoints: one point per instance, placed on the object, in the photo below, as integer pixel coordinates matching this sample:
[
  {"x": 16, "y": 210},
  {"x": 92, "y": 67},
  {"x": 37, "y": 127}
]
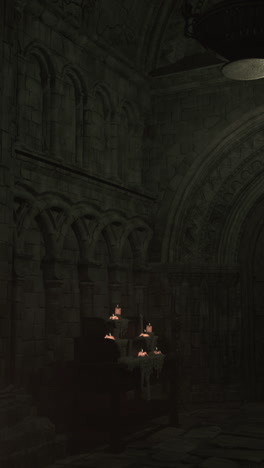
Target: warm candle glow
[
  {"x": 157, "y": 351},
  {"x": 113, "y": 317},
  {"x": 144, "y": 334},
  {"x": 109, "y": 337},
  {"x": 118, "y": 309},
  {"x": 142, "y": 353},
  {"x": 149, "y": 328}
]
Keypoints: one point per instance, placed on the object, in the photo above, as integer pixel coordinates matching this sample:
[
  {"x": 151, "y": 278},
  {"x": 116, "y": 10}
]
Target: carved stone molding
[
  {"x": 214, "y": 221},
  {"x": 210, "y": 203}
]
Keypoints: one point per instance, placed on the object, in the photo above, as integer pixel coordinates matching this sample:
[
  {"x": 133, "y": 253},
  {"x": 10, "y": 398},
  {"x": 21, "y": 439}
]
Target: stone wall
[
  {"x": 80, "y": 207},
  {"x": 206, "y": 145},
  {"x": 7, "y": 125},
  {"x": 122, "y": 189}
]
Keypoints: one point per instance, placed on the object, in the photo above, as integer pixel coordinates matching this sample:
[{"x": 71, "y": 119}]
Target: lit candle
[
  {"x": 113, "y": 317},
  {"x": 118, "y": 309},
  {"x": 146, "y": 335},
  {"x": 109, "y": 337},
  {"x": 142, "y": 353},
  {"x": 149, "y": 328},
  {"x": 157, "y": 351}
]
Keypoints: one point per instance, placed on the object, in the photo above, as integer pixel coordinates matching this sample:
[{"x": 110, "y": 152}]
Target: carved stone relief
[{"x": 215, "y": 195}]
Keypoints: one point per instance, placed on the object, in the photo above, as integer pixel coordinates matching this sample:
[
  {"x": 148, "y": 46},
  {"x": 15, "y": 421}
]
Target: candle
[
  {"x": 157, "y": 351},
  {"x": 113, "y": 317},
  {"x": 146, "y": 335},
  {"x": 142, "y": 353},
  {"x": 118, "y": 309},
  {"x": 109, "y": 337},
  {"x": 149, "y": 328}
]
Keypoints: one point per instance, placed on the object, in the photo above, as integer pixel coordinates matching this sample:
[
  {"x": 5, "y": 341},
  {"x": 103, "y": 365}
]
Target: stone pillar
[
  {"x": 20, "y": 267},
  {"x": 54, "y": 307},
  {"x": 111, "y": 133},
  {"x": 173, "y": 331},
  {"x": 86, "y": 290},
  {"x": 56, "y": 125},
  {"x": 140, "y": 286},
  {"x": 79, "y": 130},
  {"x": 8, "y": 73},
  {"x": 115, "y": 286},
  {"x": 180, "y": 329}
]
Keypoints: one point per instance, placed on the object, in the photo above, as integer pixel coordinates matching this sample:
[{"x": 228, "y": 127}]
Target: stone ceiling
[{"x": 149, "y": 34}]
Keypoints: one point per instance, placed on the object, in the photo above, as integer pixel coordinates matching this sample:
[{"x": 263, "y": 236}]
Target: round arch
[{"x": 204, "y": 179}]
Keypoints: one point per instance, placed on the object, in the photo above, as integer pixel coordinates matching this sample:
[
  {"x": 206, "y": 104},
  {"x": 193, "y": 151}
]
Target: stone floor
[{"x": 215, "y": 436}]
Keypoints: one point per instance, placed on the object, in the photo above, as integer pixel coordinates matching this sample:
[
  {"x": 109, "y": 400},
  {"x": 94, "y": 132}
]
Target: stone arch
[
  {"x": 247, "y": 198},
  {"x": 83, "y": 219},
  {"x": 130, "y": 111},
  {"x": 24, "y": 208},
  {"x": 100, "y": 129},
  {"x": 74, "y": 105},
  {"x": 110, "y": 225},
  {"x": 78, "y": 80},
  {"x": 139, "y": 234},
  {"x": 36, "y": 78},
  {"x": 204, "y": 180},
  {"x": 130, "y": 142},
  {"x": 39, "y": 207},
  {"x": 155, "y": 28},
  {"x": 52, "y": 215},
  {"x": 43, "y": 57},
  {"x": 102, "y": 90}
]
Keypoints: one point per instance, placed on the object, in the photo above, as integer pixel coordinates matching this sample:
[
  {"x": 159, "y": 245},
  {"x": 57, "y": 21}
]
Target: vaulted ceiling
[{"x": 149, "y": 34}]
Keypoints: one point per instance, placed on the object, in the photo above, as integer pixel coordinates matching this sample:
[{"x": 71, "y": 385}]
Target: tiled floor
[{"x": 211, "y": 437}]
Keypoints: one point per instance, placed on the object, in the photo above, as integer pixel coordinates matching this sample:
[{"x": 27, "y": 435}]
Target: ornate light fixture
[{"x": 233, "y": 30}]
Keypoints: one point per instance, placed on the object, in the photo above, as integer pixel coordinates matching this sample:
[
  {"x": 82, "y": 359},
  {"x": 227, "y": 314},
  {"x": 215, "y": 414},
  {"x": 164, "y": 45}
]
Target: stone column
[
  {"x": 79, "y": 130},
  {"x": 20, "y": 267},
  {"x": 115, "y": 286},
  {"x": 140, "y": 285},
  {"x": 54, "y": 307},
  {"x": 9, "y": 21},
  {"x": 111, "y": 134},
  {"x": 55, "y": 125},
  {"x": 180, "y": 329},
  {"x": 173, "y": 334},
  {"x": 86, "y": 290}
]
